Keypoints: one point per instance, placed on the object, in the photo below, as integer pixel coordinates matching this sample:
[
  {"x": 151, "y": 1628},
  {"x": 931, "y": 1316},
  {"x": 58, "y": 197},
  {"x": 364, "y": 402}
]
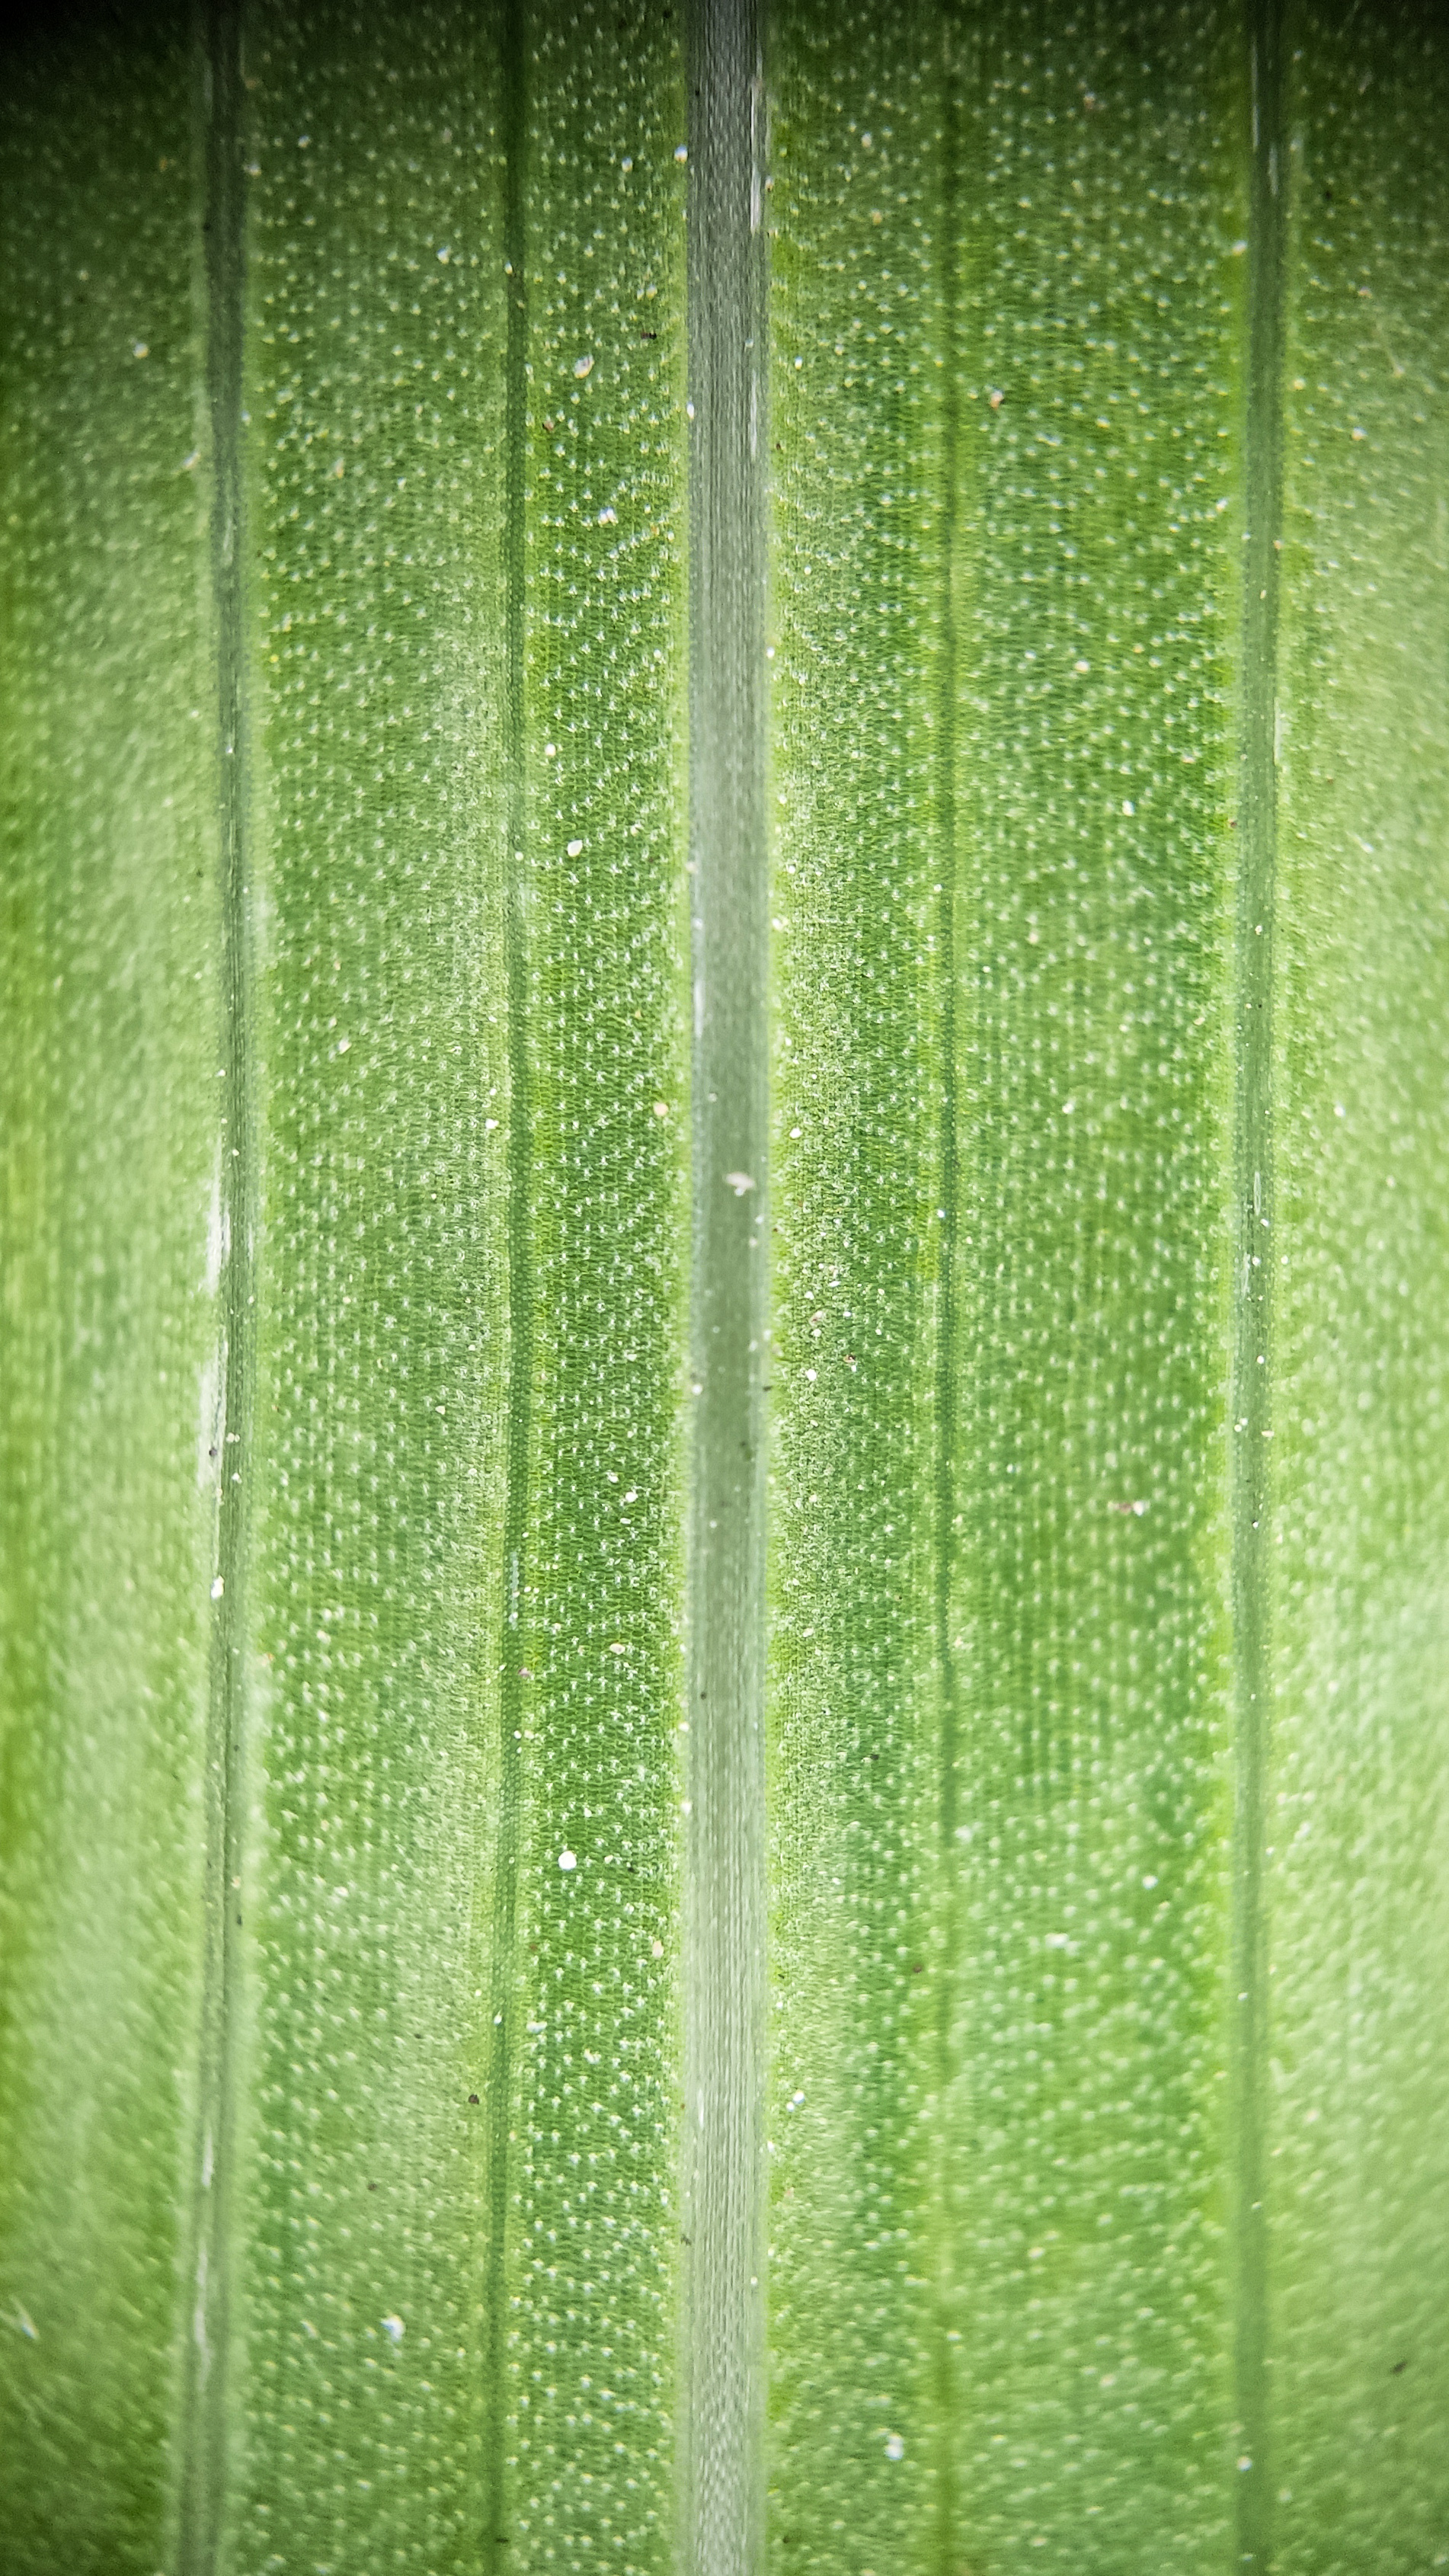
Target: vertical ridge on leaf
[
  {"x": 946, "y": 1386},
  {"x": 502, "y": 2039},
  {"x": 1251, "y": 1392},
  {"x": 724, "y": 1927},
  {"x": 204, "y": 2445}
]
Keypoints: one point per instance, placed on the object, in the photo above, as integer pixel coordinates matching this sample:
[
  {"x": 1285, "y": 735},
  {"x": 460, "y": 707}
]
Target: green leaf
[{"x": 722, "y": 1633}]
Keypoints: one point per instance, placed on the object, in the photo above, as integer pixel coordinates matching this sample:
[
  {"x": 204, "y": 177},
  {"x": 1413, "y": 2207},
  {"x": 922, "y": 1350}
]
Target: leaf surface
[{"x": 726, "y": 788}]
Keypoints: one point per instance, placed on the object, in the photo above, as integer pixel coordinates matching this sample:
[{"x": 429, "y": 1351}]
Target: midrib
[{"x": 723, "y": 1960}]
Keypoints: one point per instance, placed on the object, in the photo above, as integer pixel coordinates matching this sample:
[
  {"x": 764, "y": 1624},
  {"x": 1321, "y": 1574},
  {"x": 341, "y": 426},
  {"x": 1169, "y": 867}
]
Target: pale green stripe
[{"x": 1357, "y": 1852}]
